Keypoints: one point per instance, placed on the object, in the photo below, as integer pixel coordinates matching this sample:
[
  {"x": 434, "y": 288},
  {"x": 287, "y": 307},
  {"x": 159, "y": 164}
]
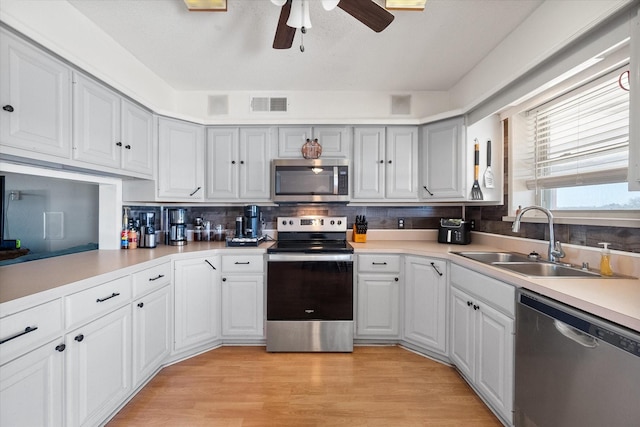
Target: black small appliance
[{"x": 455, "y": 230}]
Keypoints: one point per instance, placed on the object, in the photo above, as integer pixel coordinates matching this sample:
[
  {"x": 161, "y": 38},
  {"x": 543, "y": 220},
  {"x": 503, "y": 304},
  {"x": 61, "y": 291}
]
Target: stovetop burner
[{"x": 311, "y": 247}]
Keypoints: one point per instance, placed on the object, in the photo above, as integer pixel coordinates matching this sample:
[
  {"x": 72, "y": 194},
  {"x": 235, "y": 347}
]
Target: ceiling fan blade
[
  {"x": 367, "y": 12},
  {"x": 284, "y": 33}
]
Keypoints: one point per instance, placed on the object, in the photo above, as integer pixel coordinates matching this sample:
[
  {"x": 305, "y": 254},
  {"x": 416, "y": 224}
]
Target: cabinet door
[
  {"x": 495, "y": 350},
  {"x": 378, "y": 299},
  {"x": 35, "y": 94},
  {"x": 291, "y": 139},
  {"x": 137, "y": 139},
  {"x": 151, "y": 333},
  {"x": 222, "y": 163},
  {"x": 335, "y": 141},
  {"x": 197, "y": 301},
  {"x": 255, "y": 163},
  {"x": 462, "y": 330},
  {"x": 368, "y": 163},
  {"x": 180, "y": 160},
  {"x": 425, "y": 303},
  {"x": 31, "y": 388},
  {"x": 402, "y": 163},
  {"x": 243, "y": 306},
  {"x": 98, "y": 367},
  {"x": 442, "y": 160},
  {"x": 96, "y": 123}
]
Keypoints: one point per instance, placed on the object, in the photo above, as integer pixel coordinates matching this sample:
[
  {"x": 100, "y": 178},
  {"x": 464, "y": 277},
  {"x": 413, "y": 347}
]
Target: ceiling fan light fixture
[
  {"x": 206, "y": 5},
  {"x": 299, "y": 15},
  {"x": 404, "y": 4}
]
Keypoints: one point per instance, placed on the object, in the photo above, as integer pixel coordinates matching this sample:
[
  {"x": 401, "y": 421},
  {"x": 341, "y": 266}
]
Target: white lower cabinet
[
  {"x": 31, "y": 388},
  {"x": 482, "y": 336},
  {"x": 243, "y": 296},
  {"x": 197, "y": 301},
  {"x": 151, "y": 333},
  {"x": 98, "y": 367},
  {"x": 378, "y": 296},
  {"x": 425, "y": 303}
]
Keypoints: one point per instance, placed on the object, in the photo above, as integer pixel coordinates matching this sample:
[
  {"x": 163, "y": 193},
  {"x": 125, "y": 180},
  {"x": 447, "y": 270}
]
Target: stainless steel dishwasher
[{"x": 573, "y": 368}]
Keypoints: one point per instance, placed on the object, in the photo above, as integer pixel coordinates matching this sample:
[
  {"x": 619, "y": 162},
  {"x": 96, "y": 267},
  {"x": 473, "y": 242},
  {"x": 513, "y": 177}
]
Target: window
[{"x": 578, "y": 148}]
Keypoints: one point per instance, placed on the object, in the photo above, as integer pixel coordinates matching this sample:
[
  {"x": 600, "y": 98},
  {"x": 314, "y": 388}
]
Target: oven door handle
[{"x": 308, "y": 257}]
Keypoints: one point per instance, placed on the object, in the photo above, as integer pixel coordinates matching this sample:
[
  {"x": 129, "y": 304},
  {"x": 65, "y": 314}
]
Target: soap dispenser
[{"x": 605, "y": 260}]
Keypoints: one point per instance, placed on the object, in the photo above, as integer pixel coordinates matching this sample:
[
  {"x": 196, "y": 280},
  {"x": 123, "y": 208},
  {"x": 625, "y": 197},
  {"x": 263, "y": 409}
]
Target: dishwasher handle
[{"x": 575, "y": 335}]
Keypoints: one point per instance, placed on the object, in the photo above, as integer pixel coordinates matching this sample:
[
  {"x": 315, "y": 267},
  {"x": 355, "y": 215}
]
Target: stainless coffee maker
[
  {"x": 177, "y": 227},
  {"x": 147, "y": 230},
  {"x": 252, "y": 223}
]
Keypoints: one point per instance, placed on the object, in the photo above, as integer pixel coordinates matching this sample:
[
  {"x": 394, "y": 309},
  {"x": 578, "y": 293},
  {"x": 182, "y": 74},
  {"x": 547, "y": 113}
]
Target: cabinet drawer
[
  {"x": 242, "y": 263},
  {"x": 379, "y": 263},
  {"x": 500, "y": 295},
  {"x": 28, "y": 329},
  {"x": 93, "y": 302},
  {"x": 151, "y": 278}
]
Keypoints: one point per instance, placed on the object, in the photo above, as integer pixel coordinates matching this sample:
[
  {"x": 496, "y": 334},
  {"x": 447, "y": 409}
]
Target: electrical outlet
[
  {"x": 400, "y": 223},
  {"x": 14, "y": 195}
]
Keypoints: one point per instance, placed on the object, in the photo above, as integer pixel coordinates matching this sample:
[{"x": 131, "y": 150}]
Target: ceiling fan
[{"x": 365, "y": 11}]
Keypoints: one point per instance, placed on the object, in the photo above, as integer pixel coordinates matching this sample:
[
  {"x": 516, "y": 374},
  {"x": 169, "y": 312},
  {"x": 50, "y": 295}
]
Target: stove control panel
[{"x": 312, "y": 223}]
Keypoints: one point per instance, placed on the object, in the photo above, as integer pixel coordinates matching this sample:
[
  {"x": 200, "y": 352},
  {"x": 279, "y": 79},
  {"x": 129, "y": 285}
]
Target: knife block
[{"x": 359, "y": 238}]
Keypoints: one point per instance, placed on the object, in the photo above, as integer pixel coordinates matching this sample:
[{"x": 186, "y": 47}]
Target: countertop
[{"x": 617, "y": 300}]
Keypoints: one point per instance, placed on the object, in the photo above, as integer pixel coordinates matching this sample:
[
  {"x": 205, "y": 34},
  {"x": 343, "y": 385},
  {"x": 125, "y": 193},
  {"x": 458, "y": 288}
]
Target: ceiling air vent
[{"x": 264, "y": 104}]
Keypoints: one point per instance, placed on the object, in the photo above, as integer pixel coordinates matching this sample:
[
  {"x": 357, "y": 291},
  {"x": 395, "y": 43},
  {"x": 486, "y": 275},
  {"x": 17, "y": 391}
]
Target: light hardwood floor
[{"x": 246, "y": 386}]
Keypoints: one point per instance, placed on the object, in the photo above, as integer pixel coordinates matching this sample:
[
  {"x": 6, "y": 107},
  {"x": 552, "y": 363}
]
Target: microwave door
[{"x": 306, "y": 180}]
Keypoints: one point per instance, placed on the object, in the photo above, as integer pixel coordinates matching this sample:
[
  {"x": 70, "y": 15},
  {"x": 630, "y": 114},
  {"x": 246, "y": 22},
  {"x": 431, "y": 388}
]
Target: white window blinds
[{"x": 580, "y": 138}]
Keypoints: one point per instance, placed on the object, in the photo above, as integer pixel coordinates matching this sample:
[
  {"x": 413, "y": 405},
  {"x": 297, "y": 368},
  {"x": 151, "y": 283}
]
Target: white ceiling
[{"x": 429, "y": 50}]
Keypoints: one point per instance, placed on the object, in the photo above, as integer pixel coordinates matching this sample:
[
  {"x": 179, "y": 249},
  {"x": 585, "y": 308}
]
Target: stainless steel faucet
[{"x": 555, "y": 248}]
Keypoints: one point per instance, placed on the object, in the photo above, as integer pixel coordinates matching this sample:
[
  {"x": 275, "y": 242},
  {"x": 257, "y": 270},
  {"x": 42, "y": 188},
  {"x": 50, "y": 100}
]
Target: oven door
[{"x": 310, "y": 287}]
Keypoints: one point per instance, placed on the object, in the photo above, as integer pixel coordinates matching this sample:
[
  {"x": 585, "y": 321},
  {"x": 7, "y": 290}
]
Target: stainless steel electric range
[{"x": 310, "y": 286}]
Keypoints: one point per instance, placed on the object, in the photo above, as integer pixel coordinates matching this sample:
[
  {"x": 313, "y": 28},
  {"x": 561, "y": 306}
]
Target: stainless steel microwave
[{"x": 310, "y": 181}]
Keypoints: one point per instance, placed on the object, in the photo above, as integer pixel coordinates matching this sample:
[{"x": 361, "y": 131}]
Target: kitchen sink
[
  {"x": 544, "y": 269},
  {"x": 522, "y": 264},
  {"x": 491, "y": 257}
]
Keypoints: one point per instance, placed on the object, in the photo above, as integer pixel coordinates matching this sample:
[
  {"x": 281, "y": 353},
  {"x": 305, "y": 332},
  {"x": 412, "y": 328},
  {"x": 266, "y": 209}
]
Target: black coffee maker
[{"x": 252, "y": 222}]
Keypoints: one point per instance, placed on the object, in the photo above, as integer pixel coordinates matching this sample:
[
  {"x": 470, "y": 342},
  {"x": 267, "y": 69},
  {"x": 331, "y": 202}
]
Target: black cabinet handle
[
  {"x": 79, "y": 338},
  {"x": 469, "y": 303},
  {"x": 8, "y": 108},
  {"x": 128, "y": 147},
  {"x": 224, "y": 279},
  {"x": 207, "y": 261},
  {"x": 389, "y": 161},
  {"x": 159, "y": 276},
  {"x": 113, "y": 295},
  {"x": 61, "y": 347},
  {"x": 140, "y": 304},
  {"x": 119, "y": 144},
  {"x": 396, "y": 279},
  {"x": 19, "y": 334},
  {"x": 379, "y": 263},
  {"x": 195, "y": 191},
  {"x": 233, "y": 162},
  {"x": 381, "y": 161},
  {"x": 242, "y": 162},
  {"x": 436, "y": 269},
  {"x": 242, "y": 263},
  {"x": 476, "y": 307},
  {"x": 427, "y": 190}
]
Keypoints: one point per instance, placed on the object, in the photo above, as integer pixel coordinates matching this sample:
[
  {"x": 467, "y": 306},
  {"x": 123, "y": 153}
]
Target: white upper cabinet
[
  {"x": 96, "y": 123},
  {"x": 335, "y": 140},
  {"x": 109, "y": 130},
  {"x": 35, "y": 94},
  {"x": 238, "y": 163},
  {"x": 180, "y": 160},
  {"x": 634, "y": 107},
  {"x": 385, "y": 163},
  {"x": 442, "y": 159}
]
